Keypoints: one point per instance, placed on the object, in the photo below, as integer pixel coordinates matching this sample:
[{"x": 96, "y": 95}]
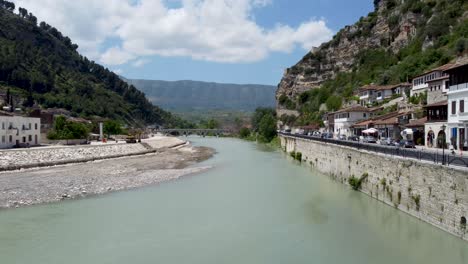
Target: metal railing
[{"x": 445, "y": 159}]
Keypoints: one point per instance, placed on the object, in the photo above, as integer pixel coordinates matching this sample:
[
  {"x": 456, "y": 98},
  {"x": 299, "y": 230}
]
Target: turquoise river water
[{"x": 254, "y": 206}]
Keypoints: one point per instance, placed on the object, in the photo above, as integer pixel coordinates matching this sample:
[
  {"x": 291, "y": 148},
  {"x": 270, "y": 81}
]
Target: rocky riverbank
[{"x": 44, "y": 185}]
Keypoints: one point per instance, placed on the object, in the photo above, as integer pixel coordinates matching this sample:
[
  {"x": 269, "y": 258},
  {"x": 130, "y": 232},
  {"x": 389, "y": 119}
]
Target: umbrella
[
  {"x": 370, "y": 131},
  {"x": 406, "y": 132}
]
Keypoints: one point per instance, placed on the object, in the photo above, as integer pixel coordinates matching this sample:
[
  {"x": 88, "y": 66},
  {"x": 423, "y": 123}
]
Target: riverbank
[
  {"x": 430, "y": 192},
  {"x": 155, "y": 161}
]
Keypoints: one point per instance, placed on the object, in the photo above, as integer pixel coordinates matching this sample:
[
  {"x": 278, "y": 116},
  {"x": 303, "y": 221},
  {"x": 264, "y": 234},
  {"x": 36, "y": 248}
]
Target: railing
[
  {"x": 435, "y": 157},
  {"x": 458, "y": 87}
]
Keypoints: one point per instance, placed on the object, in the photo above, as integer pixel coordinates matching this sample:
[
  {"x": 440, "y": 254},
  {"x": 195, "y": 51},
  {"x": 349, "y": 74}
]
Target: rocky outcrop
[{"x": 386, "y": 28}]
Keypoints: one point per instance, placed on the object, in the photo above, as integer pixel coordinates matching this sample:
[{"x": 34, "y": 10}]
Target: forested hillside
[
  {"x": 189, "y": 95},
  {"x": 41, "y": 65},
  {"x": 397, "y": 41}
]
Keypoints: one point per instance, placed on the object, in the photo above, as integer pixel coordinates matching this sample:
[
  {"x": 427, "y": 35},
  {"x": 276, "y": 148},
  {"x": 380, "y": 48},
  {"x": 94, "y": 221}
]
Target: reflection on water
[{"x": 254, "y": 206}]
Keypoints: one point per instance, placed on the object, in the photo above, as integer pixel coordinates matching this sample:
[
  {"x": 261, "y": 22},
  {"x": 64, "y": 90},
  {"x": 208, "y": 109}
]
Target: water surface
[{"x": 255, "y": 206}]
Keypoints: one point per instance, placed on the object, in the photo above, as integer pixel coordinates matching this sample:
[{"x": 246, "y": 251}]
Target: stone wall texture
[{"x": 433, "y": 193}]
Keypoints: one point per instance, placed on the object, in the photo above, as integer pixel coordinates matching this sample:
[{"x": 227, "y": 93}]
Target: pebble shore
[{"x": 166, "y": 159}]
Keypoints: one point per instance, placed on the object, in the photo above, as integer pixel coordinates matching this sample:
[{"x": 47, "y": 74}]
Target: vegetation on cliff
[
  {"x": 396, "y": 42},
  {"x": 43, "y": 66}
]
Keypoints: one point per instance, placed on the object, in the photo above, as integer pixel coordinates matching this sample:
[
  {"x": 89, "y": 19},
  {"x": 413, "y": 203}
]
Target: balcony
[{"x": 459, "y": 87}]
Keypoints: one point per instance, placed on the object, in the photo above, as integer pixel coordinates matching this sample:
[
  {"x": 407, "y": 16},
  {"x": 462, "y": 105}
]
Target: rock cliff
[{"x": 393, "y": 25}]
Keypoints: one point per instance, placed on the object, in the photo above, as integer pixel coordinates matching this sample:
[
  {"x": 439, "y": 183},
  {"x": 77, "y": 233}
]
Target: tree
[
  {"x": 264, "y": 123},
  {"x": 267, "y": 129},
  {"x": 258, "y": 116},
  {"x": 64, "y": 129},
  {"x": 244, "y": 132},
  {"x": 112, "y": 127}
]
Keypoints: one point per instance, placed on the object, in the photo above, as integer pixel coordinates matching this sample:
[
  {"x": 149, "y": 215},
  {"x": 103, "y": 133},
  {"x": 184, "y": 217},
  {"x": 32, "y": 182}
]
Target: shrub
[
  {"x": 355, "y": 182},
  {"x": 244, "y": 132},
  {"x": 417, "y": 201},
  {"x": 298, "y": 156}
]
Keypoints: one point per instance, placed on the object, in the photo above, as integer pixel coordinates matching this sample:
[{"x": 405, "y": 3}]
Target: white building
[
  {"x": 371, "y": 94},
  {"x": 19, "y": 131},
  {"x": 420, "y": 83},
  {"x": 458, "y": 106},
  {"x": 346, "y": 118}
]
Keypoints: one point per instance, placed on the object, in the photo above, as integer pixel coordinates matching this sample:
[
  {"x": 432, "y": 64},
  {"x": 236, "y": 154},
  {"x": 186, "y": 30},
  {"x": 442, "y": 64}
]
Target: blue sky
[{"x": 233, "y": 41}]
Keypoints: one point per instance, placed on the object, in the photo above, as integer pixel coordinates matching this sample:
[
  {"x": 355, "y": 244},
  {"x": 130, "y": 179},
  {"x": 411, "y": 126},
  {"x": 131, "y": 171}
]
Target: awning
[
  {"x": 370, "y": 131},
  {"x": 406, "y": 132}
]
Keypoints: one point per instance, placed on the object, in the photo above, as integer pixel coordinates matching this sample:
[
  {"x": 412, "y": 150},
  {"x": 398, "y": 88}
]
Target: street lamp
[{"x": 443, "y": 144}]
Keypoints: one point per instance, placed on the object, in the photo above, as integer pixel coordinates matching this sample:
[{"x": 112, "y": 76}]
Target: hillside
[
  {"x": 188, "y": 95},
  {"x": 397, "y": 41},
  {"x": 43, "y": 67}
]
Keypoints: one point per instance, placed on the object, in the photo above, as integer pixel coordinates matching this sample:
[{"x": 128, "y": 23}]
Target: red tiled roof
[
  {"x": 440, "y": 68},
  {"x": 353, "y": 109},
  {"x": 417, "y": 123},
  {"x": 382, "y": 87},
  {"x": 363, "y": 123},
  {"x": 457, "y": 65},
  {"x": 442, "y": 103},
  {"x": 440, "y": 78}
]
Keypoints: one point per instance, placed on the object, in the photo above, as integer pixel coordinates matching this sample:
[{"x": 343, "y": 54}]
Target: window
[
  {"x": 29, "y": 126},
  {"x": 454, "y": 107},
  {"x": 11, "y": 139},
  {"x": 3, "y": 125},
  {"x": 35, "y": 126},
  {"x": 462, "y": 106},
  {"x": 24, "y": 139},
  {"x": 364, "y": 115},
  {"x": 30, "y": 138}
]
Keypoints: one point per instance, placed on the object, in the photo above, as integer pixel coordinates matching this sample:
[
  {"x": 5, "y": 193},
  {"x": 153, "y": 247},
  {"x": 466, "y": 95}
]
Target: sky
[{"x": 228, "y": 41}]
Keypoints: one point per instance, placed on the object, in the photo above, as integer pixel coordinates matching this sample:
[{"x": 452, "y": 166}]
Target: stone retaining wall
[
  {"x": 433, "y": 193},
  {"x": 51, "y": 156}
]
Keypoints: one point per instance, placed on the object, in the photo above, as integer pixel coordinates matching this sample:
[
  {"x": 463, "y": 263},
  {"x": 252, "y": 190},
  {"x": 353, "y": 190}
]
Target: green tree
[
  {"x": 112, "y": 127},
  {"x": 244, "y": 132},
  {"x": 267, "y": 129}
]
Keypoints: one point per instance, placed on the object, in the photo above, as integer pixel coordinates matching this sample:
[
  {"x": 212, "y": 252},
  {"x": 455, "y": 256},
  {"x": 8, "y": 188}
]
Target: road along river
[{"x": 254, "y": 206}]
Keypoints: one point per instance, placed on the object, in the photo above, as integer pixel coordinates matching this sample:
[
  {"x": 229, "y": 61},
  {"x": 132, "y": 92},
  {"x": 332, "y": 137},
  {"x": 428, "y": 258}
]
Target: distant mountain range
[{"x": 186, "y": 95}]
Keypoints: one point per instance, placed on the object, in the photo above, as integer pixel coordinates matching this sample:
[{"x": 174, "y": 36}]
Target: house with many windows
[
  {"x": 421, "y": 83},
  {"x": 458, "y": 106},
  {"x": 19, "y": 131},
  {"x": 346, "y": 118},
  {"x": 371, "y": 94}
]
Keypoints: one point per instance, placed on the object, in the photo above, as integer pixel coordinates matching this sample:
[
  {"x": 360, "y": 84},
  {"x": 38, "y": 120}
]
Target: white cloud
[
  {"x": 210, "y": 30},
  {"x": 140, "y": 62},
  {"x": 116, "y": 56}
]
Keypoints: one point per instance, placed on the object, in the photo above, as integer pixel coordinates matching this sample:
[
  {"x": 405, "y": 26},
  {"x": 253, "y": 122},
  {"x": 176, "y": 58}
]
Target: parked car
[
  {"x": 386, "y": 141},
  {"x": 408, "y": 144},
  {"x": 342, "y": 137},
  {"x": 370, "y": 139},
  {"x": 317, "y": 134},
  {"x": 353, "y": 138},
  {"x": 327, "y": 135}
]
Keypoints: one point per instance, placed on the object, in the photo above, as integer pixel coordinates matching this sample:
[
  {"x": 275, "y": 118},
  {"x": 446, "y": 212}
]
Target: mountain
[
  {"x": 43, "y": 68},
  {"x": 397, "y": 41},
  {"x": 187, "y": 95}
]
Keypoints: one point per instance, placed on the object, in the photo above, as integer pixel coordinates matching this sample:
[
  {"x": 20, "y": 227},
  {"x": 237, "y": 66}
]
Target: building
[
  {"x": 372, "y": 94},
  {"x": 19, "y": 131},
  {"x": 346, "y": 118},
  {"x": 437, "y": 90},
  {"x": 457, "y": 106},
  {"x": 421, "y": 82},
  {"x": 434, "y": 126}
]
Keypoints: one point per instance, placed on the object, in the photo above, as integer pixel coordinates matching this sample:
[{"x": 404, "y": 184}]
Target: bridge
[{"x": 186, "y": 132}]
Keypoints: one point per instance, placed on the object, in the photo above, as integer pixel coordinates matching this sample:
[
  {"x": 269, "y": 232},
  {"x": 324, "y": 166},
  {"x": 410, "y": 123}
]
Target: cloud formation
[{"x": 209, "y": 30}]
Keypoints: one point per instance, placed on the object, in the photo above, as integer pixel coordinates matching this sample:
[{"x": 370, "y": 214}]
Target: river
[{"x": 254, "y": 206}]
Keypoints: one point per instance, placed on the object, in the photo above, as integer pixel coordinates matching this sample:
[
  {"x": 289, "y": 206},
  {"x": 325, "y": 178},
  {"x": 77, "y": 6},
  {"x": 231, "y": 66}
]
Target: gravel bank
[
  {"x": 49, "y": 156},
  {"x": 52, "y": 184}
]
